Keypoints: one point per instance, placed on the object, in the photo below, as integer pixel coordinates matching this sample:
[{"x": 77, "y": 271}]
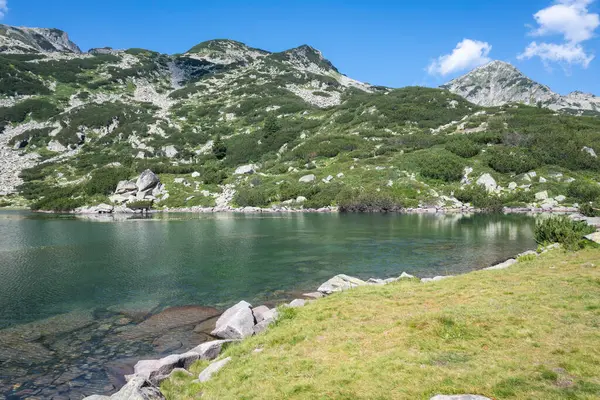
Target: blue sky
[{"x": 392, "y": 43}]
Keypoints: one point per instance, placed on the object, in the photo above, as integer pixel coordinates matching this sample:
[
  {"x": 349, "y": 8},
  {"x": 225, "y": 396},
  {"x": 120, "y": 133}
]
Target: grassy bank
[{"x": 528, "y": 332}]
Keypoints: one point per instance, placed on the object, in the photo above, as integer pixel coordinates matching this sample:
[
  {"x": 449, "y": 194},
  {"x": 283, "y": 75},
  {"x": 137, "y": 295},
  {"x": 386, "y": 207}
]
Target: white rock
[
  {"x": 235, "y": 323},
  {"x": 541, "y": 195},
  {"x": 147, "y": 180},
  {"x": 212, "y": 369},
  {"x": 297, "y": 303},
  {"x": 246, "y": 169},
  {"x": 340, "y": 283},
  {"x": 435, "y": 279},
  {"x": 503, "y": 265},
  {"x": 300, "y": 199},
  {"x": 543, "y": 180},
  {"x": 307, "y": 178},
  {"x": 170, "y": 151},
  {"x": 340, "y": 175},
  {"x": 560, "y": 198},
  {"x": 512, "y": 185},
  {"x": 590, "y": 151},
  {"x": 486, "y": 180},
  {"x": 195, "y": 174}
]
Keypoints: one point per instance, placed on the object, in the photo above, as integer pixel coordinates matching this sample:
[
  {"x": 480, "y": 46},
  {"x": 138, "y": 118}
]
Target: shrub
[
  {"x": 140, "y": 204},
  {"x": 480, "y": 198},
  {"x": 251, "y": 197},
  {"x": 362, "y": 201},
  {"x": 590, "y": 210},
  {"x": 104, "y": 181},
  {"x": 443, "y": 165},
  {"x": 562, "y": 230},
  {"x": 219, "y": 148},
  {"x": 509, "y": 159},
  {"x": 584, "y": 191},
  {"x": 463, "y": 147}
]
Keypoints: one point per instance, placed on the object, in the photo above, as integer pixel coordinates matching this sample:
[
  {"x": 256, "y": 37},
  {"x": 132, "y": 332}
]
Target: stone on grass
[
  {"x": 235, "y": 323},
  {"x": 459, "y": 397},
  {"x": 435, "y": 279},
  {"x": 503, "y": 265},
  {"x": 541, "y": 195},
  {"x": 212, "y": 369},
  {"x": 314, "y": 295},
  {"x": 246, "y": 169},
  {"x": 488, "y": 182},
  {"x": 376, "y": 281},
  {"x": 307, "y": 178},
  {"x": 560, "y": 198},
  {"x": 269, "y": 318},
  {"x": 594, "y": 237},
  {"x": 340, "y": 283},
  {"x": 126, "y": 187},
  {"x": 406, "y": 276},
  {"x": 209, "y": 350},
  {"x": 297, "y": 303},
  {"x": 512, "y": 186}
]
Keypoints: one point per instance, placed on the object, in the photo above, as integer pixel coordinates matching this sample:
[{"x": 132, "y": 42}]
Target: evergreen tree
[{"x": 219, "y": 148}]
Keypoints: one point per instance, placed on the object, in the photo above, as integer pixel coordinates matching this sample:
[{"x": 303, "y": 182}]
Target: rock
[
  {"x": 259, "y": 313},
  {"x": 560, "y": 198},
  {"x": 96, "y": 397},
  {"x": 460, "y": 397},
  {"x": 118, "y": 199},
  {"x": 503, "y": 265},
  {"x": 170, "y": 151},
  {"x": 126, "y": 187},
  {"x": 404, "y": 275},
  {"x": 300, "y": 199},
  {"x": 297, "y": 303},
  {"x": 340, "y": 175},
  {"x": 307, "y": 178},
  {"x": 328, "y": 179},
  {"x": 195, "y": 174},
  {"x": 487, "y": 181},
  {"x": 147, "y": 180},
  {"x": 246, "y": 169},
  {"x": 541, "y": 195},
  {"x": 213, "y": 369},
  {"x": 136, "y": 310},
  {"x": 543, "y": 180},
  {"x": 209, "y": 350},
  {"x": 235, "y": 323},
  {"x": 138, "y": 388},
  {"x": 512, "y": 186},
  {"x": 340, "y": 283},
  {"x": 594, "y": 237},
  {"x": 590, "y": 151},
  {"x": 376, "y": 281},
  {"x": 269, "y": 318},
  {"x": 314, "y": 295},
  {"x": 435, "y": 279}
]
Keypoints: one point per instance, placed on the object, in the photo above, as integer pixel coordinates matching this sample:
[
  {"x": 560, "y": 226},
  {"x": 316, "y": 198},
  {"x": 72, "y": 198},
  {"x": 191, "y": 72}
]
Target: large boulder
[
  {"x": 488, "y": 182},
  {"x": 542, "y": 195},
  {"x": 147, "y": 180},
  {"x": 126, "y": 187},
  {"x": 235, "y": 323},
  {"x": 246, "y": 169},
  {"x": 212, "y": 369},
  {"x": 259, "y": 313},
  {"x": 269, "y": 317},
  {"x": 340, "y": 283}
]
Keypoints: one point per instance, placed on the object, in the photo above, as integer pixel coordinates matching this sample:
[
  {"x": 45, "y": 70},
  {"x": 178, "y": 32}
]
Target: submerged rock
[
  {"x": 340, "y": 283},
  {"x": 235, "y": 323}
]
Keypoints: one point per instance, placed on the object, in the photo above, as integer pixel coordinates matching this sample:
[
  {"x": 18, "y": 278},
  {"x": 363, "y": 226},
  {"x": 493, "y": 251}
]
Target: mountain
[
  {"x": 498, "y": 83},
  {"x": 225, "y": 124},
  {"x": 34, "y": 40}
]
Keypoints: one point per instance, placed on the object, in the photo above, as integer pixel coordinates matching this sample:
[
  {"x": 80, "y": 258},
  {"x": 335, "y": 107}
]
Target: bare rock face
[{"x": 26, "y": 40}]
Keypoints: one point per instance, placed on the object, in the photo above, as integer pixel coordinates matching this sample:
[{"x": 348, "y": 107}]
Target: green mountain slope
[{"x": 75, "y": 124}]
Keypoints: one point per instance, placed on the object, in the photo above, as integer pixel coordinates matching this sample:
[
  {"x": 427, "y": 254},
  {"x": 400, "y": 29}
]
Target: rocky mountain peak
[
  {"x": 35, "y": 40},
  {"x": 225, "y": 51},
  {"x": 307, "y": 58}
]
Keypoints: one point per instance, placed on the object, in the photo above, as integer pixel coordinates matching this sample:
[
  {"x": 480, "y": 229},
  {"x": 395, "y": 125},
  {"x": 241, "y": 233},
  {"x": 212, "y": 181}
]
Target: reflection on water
[{"x": 85, "y": 272}]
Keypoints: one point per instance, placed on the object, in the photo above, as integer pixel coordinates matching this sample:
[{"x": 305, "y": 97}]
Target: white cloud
[
  {"x": 466, "y": 55},
  {"x": 566, "y": 53},
  {"x": 3, "y": 8},
  {"x": 570, "y": 19}
]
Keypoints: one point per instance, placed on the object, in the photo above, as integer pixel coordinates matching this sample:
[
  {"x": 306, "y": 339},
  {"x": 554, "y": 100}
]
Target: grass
[{"x": 527, "y": 332}]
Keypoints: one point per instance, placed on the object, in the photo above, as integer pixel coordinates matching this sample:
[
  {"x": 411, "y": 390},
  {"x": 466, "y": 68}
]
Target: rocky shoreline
[{"x": 242, "y": 321}]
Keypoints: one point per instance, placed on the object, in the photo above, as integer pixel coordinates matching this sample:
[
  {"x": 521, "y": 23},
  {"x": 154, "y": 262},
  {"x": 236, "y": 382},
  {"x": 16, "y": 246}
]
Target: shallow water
[{"x": 87, "y": 270}]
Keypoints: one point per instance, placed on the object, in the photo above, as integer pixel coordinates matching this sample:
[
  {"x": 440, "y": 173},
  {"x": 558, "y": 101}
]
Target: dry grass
[{"x": 529, "y": 332}]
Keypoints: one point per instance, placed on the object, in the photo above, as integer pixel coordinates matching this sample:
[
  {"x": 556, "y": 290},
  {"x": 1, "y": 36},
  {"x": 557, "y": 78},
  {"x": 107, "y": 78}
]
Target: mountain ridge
[{"x": 498, "y": 83}]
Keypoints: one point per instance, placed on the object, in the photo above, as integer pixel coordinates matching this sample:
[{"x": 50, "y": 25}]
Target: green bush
[
  {"x": 251, "y": 197},
  {"x": 219, "y": 148},
  {"x": 584, "y": 191},
  {"x": 590, "y": 210},
  {"x": 463, "y": 147},
  {"x": 442, "y": 165},
  {"x": 363, "y": 201},
  {"x": 511, "y": 159},
  {"x": 104, "y": 181},
  {"x": 479, "y": 197},
  {"x": 562, "y": 230}
]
